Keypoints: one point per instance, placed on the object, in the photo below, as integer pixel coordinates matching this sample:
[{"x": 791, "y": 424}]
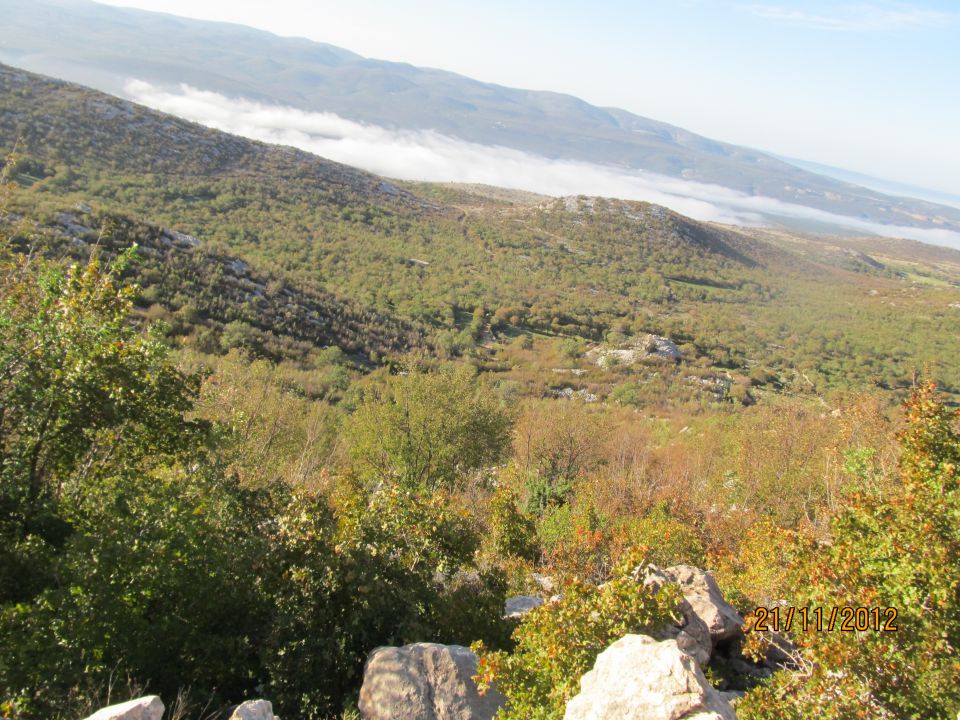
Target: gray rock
[
  {"x": 706, "y": 601},
  {"x": 546, "y": 583},
  {"x": 691, "y": 633},
  {"x": 149, "y": 707},
  {"x": 425, "y": 681},
  {"x": 638, "y": 678},
  {"x": 516, "y": 607},
  {"x": 733, "y": 697},
  {"x": 254, "y": 710}
]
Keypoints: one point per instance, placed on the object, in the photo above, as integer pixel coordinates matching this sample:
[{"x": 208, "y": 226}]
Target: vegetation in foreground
[{"x": 162, "y": 531}]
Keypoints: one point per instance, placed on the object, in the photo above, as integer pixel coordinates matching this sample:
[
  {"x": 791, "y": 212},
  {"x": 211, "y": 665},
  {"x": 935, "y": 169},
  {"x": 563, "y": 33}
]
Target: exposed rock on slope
[
  {"x": 516, "y": 607},
  {"x": 646, "y": 347},
  {"x": 424, "y": 681},
  {"x": 703, "y": 594}
]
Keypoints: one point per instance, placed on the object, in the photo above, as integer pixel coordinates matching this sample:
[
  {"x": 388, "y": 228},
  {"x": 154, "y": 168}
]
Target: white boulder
[
  {"x": 638, "y": 678},
  {"x": 424, "y": 681},
  {"x": 254, "y": 710},
  {"x": 149, "y": 707}
]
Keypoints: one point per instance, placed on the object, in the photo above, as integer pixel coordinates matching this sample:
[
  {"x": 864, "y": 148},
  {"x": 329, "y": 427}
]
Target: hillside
[
  {"x": 222, "y": 299},
  {"x": 106, "y": 46},
  {"x": 585, "y": 268},
  {"x": 280, "y": 434}
]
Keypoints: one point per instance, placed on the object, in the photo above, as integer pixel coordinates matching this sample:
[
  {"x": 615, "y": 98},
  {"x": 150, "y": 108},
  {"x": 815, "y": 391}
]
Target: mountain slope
[
  {"x": 476, "y": 267},
  {"x": 106, "y": 46}
]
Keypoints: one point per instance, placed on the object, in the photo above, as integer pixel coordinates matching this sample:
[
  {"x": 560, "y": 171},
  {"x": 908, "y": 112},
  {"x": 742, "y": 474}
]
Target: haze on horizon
[{"x": 864, "y": 86}]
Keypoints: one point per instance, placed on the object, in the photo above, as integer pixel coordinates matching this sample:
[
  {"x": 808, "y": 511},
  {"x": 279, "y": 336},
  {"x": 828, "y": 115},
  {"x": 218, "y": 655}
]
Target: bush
[
  {"x": 665, "y": 539},
  {"x": 512, "y": 532},
  {"x": 899, "y": 549},
  {"x": 427, "y": 430},
  {"x": 558, "y": 642}
]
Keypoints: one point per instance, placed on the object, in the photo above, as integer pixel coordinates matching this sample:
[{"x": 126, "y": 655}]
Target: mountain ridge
[{"x": 57, "y": 35}]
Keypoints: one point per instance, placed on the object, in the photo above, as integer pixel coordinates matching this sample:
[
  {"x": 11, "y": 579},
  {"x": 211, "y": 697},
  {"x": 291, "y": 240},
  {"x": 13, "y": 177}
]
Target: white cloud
[
  {"x": 431, "y": 156},
  {"x": 856, "y": 17}
]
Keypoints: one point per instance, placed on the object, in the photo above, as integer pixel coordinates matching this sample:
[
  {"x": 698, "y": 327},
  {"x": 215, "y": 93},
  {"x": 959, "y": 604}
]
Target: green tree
[
  {"x": 83, "y": 395},
  {"x": 426, "y": 430}
]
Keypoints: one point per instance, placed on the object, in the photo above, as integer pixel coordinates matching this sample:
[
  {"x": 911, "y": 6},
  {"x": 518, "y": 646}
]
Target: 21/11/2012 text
[{"x": 844, "y": 619}]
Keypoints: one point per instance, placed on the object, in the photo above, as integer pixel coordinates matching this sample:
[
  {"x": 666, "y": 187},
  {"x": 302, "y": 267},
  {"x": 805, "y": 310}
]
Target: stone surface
[
  {"x": 706, "y": 601},
  {"x": 424, "y": 681},
  {"x": 638, "y": 678},
  {"x": 254, "y": 710},
  {"x": 149, "y": 707},
  {"x": 546, "y": 583},
  {"x": 644, "y": 347},
  {"x": 691, "y": 633},
  {"x": 516, "y": 607}
]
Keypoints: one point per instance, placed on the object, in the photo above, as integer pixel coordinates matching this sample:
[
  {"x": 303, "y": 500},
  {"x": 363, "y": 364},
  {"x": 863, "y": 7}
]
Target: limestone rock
[
  {"x": 516, "y": 607},
  {"x": 691, "y": 633},
  {"x": 254, "y": 710},
  {"x": 703, "y": 594},
  {"x": 149, "y": 707},
  {"x": 639, "y": 349},
  {"x": 425, "y": 681},
  {"x": 638, "y": 678}
]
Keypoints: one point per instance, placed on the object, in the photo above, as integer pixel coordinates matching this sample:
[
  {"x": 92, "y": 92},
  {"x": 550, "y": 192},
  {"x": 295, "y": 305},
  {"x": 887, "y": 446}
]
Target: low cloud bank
[{"x": 431, "y": 156}]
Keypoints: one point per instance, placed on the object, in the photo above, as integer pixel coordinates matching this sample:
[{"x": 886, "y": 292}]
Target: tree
[
  {"x": 83, "y": 395},
  {"x": 426, "y": 430}
]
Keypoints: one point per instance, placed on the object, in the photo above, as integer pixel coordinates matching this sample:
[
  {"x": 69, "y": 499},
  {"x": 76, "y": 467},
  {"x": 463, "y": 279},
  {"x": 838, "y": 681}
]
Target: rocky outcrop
[
  {"x": 516, "y": 607},
  {"x": 149, "y": 707},
  {"x": 424, "y": 681},
  {"x": 638, "y": 678},
  {"x": 703, "y": 595},
  {"x": 254, "y": 710},
  {"x": 691, "y": 633},
  {"x": 640, "y": 349}
]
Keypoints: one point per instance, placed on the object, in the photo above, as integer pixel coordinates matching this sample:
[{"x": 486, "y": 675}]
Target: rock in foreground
[
  {"x": 425, "y": 681},
  {"x": 254, "y": 710},
  {"x": 149, "y": 707},
  {"x": 638, "y": 678}
]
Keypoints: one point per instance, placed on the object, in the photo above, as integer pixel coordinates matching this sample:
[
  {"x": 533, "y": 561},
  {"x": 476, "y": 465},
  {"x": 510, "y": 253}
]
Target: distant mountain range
[{"x": 105, "y": 47}]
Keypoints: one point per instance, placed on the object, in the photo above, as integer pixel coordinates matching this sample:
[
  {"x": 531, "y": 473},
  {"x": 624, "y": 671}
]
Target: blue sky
[{"x": 868, "y": 86}]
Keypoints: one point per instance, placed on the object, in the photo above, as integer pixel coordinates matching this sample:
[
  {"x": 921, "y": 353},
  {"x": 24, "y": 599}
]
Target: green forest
[{"x": 261, "y": 413}]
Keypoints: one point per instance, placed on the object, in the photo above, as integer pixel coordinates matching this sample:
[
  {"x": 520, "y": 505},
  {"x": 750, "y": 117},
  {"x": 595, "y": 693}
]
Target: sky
[{"x": 867, "y": 86}]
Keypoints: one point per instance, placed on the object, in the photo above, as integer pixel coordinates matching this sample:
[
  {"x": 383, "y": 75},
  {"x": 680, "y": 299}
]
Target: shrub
[
  {"x": 558, "y": 642},
  {"x": 665, "y": 539},
  {"x": 427, "y": 430},
  {"x": 898, "y": 549},
  {"x": 512, "y": 532}
]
